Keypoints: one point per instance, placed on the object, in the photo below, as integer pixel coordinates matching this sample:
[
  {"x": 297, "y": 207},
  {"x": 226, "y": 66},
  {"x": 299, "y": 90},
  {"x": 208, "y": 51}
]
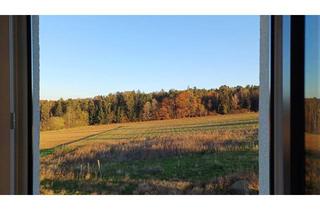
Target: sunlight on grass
[{"x": 202, "y": 155}]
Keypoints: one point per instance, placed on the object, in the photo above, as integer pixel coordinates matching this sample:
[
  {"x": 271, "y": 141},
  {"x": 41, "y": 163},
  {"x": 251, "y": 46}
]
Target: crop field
[{"x": 202, "y": 155}]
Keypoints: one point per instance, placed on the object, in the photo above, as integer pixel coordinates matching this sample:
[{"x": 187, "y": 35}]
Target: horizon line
[{"x": 145, "y": 92}]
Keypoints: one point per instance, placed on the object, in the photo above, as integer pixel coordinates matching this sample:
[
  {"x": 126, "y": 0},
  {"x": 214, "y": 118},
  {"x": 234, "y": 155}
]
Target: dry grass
[
  {"x": 312, "y": 175},
  {"x": 312, "y": 143},
  {"x": 216, "y": 186},
  {"x": 67, "y": 162},
  {"x": 186, "y": 156}
]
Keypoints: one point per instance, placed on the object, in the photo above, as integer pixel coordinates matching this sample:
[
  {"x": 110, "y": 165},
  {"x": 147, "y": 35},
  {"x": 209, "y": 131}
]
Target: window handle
[{"x": 12, "y": 120}]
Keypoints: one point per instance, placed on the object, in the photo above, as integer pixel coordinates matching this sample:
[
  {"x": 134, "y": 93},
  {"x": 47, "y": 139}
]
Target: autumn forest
[{"x": 133, "y": 106}]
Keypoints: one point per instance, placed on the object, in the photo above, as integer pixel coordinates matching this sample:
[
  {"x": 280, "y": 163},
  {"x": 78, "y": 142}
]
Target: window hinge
[{"x": 12, "y": 120}]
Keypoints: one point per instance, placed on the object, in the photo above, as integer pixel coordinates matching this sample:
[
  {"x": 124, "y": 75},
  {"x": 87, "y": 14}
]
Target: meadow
[{"x": 215, "y": 154}]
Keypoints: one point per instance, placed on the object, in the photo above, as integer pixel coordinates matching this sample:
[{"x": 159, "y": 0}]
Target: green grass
[
  {"x": 190, "y": 167},
  {"x": 45, "y": 152},
  {"x": 124, "y": 177},
  {"x": 62, "y": 148}
]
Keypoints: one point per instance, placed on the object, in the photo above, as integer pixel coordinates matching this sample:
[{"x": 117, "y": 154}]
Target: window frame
[
  {"x": 20, "y": 133},
  {"x": 281, "y": 144},
  {"x": 26, "y": 100},
  {"x": 287, "y": 105}
]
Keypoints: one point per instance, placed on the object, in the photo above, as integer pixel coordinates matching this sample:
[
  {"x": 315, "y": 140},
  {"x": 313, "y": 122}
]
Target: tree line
[{"x": 132, "y": 106}]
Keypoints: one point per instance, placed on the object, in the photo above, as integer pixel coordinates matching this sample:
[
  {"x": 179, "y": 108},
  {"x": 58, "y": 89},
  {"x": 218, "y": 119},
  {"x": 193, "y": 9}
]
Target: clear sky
[
  {"x": 312, "y": 59},
  {"x": 85, "y": 56}
]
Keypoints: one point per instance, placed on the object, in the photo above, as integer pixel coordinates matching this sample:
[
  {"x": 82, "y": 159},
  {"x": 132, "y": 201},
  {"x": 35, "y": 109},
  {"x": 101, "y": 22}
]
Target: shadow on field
[
  {"x": 191, "y": 173},
  {"x": 218, "y": 186},
  {"x": 48, "y": 151},
  {"x": 214, "y": 163}
]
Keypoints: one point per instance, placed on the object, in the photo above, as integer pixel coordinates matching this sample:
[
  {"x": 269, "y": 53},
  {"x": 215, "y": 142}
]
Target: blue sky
[
  {"x": 312, "y": 86},
  {"x": 85, "y": 56}
]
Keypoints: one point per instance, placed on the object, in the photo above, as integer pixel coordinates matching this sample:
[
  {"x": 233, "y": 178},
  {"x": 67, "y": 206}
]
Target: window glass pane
[
  {"x": 312, "y": 104},
  {"x": 149, "y": 104}
]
